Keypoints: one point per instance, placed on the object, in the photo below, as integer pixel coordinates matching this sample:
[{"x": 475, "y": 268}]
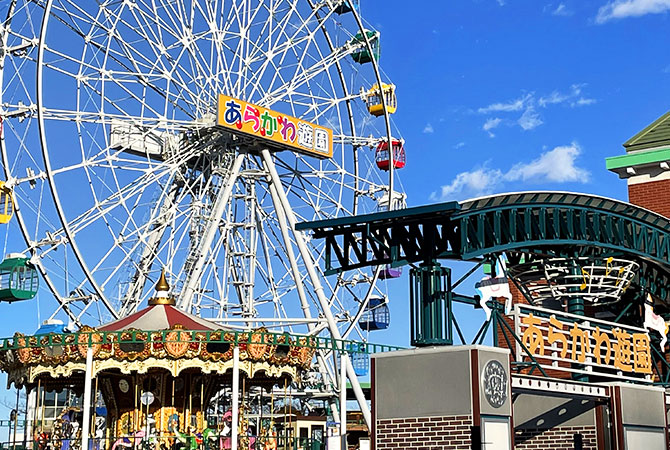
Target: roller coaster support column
[{"x": 430, "y": 305}]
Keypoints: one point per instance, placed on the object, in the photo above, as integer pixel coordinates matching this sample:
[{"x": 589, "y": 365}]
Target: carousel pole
[
  {"x": 235, "y": 396},
  {"x": 37, "y": 405},
  {"x": 16, "y": 419},
  {"x": 95, "y": 401},
  {"x": 44, "y": 393},
  {"x": 86, "y": 420},
  {"x": 343, "y": 400}
]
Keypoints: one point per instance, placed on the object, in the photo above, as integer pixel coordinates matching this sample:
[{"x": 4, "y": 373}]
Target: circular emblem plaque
[{"x": 494, "y": 379}]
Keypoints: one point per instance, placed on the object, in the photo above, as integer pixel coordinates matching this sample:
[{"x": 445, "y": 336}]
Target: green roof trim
[
  {"x": 657, "y": 134},
  {"x": 638, "y": 159}
]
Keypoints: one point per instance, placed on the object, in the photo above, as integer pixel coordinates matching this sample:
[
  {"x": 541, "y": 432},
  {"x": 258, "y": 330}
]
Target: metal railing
[{"x": 159, "y": 337}]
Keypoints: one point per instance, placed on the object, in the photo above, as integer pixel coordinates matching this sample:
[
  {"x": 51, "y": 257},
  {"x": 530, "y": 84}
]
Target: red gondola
[{"x": 382, "y": 155}]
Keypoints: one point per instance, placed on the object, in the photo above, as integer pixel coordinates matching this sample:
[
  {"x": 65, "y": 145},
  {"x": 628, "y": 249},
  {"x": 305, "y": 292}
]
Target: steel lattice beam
[{"x": 536, "y": 222}]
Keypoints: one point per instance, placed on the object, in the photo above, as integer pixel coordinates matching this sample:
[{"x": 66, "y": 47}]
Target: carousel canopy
[
  {"x": 161, "y": 314},
  {"x": 159, "y": 337},
  {"x": 160, "y": 317}
]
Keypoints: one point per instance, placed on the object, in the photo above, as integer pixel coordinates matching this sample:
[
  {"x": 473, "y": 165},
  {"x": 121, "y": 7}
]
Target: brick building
[{"x": 456, "y": 397}]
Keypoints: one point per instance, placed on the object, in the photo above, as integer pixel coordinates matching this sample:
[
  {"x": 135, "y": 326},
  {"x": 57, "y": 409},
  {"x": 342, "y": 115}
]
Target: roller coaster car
[
  {"x": 376, "y": 315},
  {"x": 347, "y": 6},
  {"x": 18, "y": 278},
  {"x": 382, "y": 155},
  {"x": 373, "y": 99},
  {"x": 362, "y": 55},
  {"x": 6, "y": 203}
]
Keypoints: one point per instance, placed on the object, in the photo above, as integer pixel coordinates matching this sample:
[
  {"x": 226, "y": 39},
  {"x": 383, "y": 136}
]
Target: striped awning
[{"x": 160, "y": 317}]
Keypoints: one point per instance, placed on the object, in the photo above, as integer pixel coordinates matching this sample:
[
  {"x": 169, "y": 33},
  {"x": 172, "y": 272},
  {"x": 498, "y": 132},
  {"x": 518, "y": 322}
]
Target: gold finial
[
  {"x": 162, "y": 284},
  {"x": 162, "y": 288}
]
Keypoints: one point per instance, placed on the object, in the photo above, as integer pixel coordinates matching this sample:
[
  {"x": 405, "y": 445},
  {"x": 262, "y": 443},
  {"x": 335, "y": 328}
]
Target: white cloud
[
  {"x": 552, "y": 99},
  {"x": 490, "y": 124},
  {"x": 529, "y": 103},
  {"x": 459, "y": 145},
  {"x": 561, "y": 10},
  {"x": 514, "y": 105},
  {"x": 530, "y": 119},
  {"x": 573, "y": 97},
  {"x": 476, "y": 183},
  {"x": 558, "y": 165},
  {"x": 501, "y": 2},
  {"x": 583, "y": 102},
  {"x": 428, "y": 128},
  {"x": 621, "y": 9}
]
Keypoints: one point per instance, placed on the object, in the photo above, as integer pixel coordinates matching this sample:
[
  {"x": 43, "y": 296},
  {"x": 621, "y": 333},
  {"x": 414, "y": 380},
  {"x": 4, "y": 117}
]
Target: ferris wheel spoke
[
  {"x": 150, "y": 165},
  {"x": 199, "y": 254},
  {"x": 148, "y": 247},
  {"x": 260, "y": 53}
]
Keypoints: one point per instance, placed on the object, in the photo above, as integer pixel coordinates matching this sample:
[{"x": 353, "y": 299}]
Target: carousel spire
[{"x": 162, "y": 296}]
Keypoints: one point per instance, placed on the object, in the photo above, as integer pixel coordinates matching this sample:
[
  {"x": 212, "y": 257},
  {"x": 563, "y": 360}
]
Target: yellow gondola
[
  {"x": 373, "y": 99},
  {"x": 6, "y": 203}
]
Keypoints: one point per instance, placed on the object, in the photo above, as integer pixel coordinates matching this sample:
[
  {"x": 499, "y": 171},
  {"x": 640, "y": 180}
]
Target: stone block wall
[{"x": 429, "y": 433}]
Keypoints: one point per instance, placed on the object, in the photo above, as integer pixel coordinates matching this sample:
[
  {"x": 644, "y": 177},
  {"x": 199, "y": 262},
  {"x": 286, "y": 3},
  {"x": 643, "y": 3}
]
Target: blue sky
[
  {"x": 510, "y": 95},
  {"x": 499, "y": 96}
]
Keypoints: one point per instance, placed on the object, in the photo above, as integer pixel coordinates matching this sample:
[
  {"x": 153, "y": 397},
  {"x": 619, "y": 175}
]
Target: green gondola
[
  {"x": 346, "y": 6},
  {"x": 18, "y": 279},
  {"x": 363, "y": 55}
]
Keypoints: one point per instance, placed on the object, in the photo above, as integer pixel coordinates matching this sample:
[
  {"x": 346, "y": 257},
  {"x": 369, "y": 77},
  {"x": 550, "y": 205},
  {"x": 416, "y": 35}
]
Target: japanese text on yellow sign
[
  {"x": 618, "y": 348},
  {"x": 286, "y": 131}
]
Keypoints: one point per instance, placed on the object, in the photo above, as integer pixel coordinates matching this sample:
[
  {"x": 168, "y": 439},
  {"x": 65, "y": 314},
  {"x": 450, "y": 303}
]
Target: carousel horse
[
  {"x": 271, "y": 443},
  {"x": 187, "y": 441},
  {"x": 130, "y": 441},
  {"x": 42, "y": 440},
  {"x": 209, "y": 438}
]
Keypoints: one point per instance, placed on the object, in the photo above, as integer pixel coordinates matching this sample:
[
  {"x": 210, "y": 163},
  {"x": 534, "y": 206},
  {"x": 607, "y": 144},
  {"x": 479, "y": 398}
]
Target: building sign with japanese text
[
  {"x": 578, "y": 344},
  {"x": 279, "y": 129}
]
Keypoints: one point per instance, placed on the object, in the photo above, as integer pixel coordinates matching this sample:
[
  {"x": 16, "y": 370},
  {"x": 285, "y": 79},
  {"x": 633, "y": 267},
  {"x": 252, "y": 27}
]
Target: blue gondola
[
  {"x": 52, "y": 326},
  {"x": 360, "y": 363},
  {"x": 376, "y": 315}
]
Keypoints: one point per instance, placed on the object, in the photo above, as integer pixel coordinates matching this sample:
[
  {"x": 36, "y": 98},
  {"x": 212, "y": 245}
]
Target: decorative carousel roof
[
  {"x": 159, "y": 336},
  {"x": 161, "y": 314}
]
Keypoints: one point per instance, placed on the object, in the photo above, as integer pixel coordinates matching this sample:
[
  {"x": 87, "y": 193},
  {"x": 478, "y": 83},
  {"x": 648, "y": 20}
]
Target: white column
[
  {"x": 86, "y": 420},
  {"x": 235, "y": 397},
  {"x": 204, "y": 247},
  {"x": 343, "y": 399},
  {"x": 316, "y": 282}
]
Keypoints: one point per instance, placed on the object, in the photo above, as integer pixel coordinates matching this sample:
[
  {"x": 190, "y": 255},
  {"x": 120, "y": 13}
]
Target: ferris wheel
[{"x": 113, "y": 147}]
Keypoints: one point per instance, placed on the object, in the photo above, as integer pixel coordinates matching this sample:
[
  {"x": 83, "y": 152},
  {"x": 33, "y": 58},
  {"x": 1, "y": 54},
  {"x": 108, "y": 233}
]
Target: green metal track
[{"x": 551, "y": 223}]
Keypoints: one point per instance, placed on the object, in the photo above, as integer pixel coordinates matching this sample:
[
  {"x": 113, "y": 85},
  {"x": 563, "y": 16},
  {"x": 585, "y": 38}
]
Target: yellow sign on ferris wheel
[{"x": 282, "y": 130}]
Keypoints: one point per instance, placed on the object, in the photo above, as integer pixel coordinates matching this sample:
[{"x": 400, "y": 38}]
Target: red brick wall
[
  {"x": 555, "y": 438},
  {"x": 445, "y": 432},
  {"x": 654, "y": 195}
]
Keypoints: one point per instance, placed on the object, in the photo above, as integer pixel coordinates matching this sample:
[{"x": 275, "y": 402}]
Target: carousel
[{"x": 158, "y": 379}]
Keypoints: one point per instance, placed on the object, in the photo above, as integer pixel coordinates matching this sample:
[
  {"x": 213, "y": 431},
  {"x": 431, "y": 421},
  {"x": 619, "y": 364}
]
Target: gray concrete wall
[
  {"x": 535, "y": 411},
  {"x": 643, "y": 405},
  {"x": 424, "y": 382}
]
